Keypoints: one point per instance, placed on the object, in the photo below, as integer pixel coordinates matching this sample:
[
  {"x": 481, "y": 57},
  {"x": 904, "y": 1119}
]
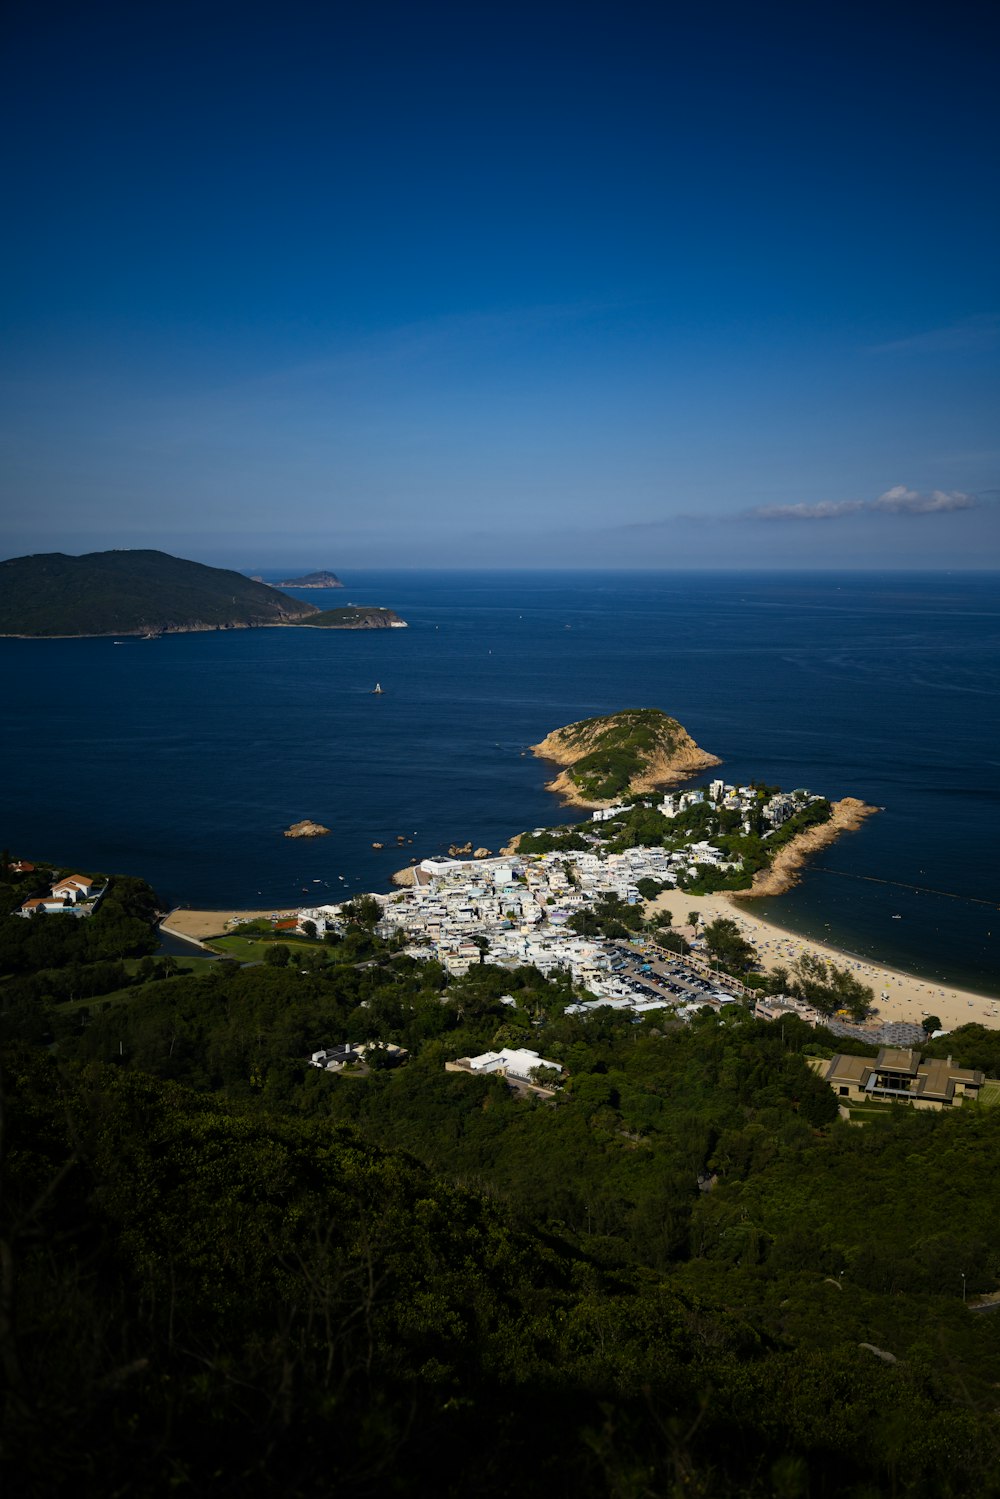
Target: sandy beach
[
  {"x": 898, "y": 995},
  {"x": 201, "y": 924}
]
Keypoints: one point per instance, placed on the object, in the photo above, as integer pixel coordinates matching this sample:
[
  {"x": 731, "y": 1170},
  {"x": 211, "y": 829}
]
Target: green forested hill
[
  {"x": 233, "y": 1273},
  {"x": 133, "y": 592}
]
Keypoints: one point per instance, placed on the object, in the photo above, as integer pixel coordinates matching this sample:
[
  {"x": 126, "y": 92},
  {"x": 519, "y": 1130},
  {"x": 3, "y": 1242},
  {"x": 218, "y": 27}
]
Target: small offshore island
[
  {"x": 148, "y": 593},
  {"x": 311, "y": 580},
  {"x": 618, "y": 754}
]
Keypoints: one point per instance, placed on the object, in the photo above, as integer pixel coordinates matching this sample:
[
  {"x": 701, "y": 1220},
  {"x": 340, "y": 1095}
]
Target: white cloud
[
  {"x": 902, "y": 501},
  {"x": 895, "y": 501}
]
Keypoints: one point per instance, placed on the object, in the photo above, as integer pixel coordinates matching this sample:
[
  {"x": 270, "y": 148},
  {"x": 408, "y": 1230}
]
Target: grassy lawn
[
  {"x": 124, "y": 996},
  {"x": 990, "y": 1094},
  {"x": 184, "y": 965},
  {"x": 96, "y": 1002},
  {"x": 253, "y": 950},
  {"x": 861, "y": 1112}
]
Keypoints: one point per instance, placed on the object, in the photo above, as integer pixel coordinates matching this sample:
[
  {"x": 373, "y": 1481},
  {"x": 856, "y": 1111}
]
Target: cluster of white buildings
[
  {"x": 774, "y": 811},
  {"x": 510, "y": 911},
  {"x": 514, "y": 910}
]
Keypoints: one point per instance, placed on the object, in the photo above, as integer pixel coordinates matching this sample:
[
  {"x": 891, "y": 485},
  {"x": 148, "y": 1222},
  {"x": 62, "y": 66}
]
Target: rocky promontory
[
  {"x": 620, "y": 754},
  {"x": 356, "y": 617},
  {"x": 785, "y": 869}
]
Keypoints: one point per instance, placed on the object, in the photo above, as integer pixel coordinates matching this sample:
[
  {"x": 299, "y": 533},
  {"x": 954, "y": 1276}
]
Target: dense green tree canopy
[{"x": 233, "y": 1272}]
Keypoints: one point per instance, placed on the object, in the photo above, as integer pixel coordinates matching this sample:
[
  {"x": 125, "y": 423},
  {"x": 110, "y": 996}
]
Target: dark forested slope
[
  {"x": 226, "y": 1271},
  {"x": 133, "y": 593}
]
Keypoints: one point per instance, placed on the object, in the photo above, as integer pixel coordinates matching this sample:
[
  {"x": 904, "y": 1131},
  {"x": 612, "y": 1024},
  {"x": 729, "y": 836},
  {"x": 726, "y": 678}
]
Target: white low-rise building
[{"x": 511, "y": 1062}]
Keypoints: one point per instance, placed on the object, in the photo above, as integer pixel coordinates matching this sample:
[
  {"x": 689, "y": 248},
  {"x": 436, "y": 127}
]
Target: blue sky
[{"x": 502, "y": 284}]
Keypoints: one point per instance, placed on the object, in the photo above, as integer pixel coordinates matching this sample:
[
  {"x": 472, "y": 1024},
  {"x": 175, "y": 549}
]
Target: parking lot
[{"x": 651, "y": 976}]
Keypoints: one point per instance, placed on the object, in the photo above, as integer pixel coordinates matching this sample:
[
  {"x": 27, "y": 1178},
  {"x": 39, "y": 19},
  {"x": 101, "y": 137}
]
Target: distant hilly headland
[
  {"x": 148, "y": 593},
  {"x": 311, "y": 580},
  {"x": 620, "y": 754}
]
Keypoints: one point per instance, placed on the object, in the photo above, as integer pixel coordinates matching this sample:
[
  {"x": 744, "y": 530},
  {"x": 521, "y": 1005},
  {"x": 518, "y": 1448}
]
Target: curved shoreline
[
  {"x": 899, "y": 994},
  {"x": 785, "y": 870}
]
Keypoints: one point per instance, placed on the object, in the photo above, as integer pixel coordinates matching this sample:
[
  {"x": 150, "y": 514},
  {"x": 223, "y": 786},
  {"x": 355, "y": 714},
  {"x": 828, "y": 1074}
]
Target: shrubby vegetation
[
  {"x": 235, "y": 1273},
  {"x": 643, "y": 826},
  {"x": 623, "y": 746},
  {"x": 753, "y": 849},
  {"x": 551, "y": 841}
]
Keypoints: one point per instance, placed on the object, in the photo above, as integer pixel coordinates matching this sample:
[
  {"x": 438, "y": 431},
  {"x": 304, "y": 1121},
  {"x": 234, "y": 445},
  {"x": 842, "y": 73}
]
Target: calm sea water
[{"x": 183, "y": 759}]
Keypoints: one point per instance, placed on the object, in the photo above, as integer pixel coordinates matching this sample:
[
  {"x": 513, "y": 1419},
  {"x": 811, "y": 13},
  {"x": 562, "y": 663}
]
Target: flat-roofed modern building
[{"x": 898, "y": 1075}]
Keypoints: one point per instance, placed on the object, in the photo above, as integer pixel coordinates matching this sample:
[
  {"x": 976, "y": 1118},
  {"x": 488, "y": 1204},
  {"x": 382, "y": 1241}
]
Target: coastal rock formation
[
  {"x": 481, "y": 853},
  {"x": 356, "y": 617},
  {"x": 620, "y": 754},
  {"x": 306, "y": 829},
  {"x": 847, "y": 815},
  {"x": 460, "y": 850}
]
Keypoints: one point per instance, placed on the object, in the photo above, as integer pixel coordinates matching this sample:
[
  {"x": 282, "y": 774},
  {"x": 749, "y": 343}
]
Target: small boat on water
[{"x": 377, "y": 690}]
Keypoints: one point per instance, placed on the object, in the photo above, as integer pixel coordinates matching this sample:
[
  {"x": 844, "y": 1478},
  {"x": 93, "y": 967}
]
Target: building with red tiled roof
[
  {"x": 73, "y": 886},
  {"x": 44, "y": 903}
]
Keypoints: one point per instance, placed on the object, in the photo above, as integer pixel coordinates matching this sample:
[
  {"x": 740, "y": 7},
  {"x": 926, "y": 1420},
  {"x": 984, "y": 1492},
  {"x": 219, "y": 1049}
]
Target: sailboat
[{"x": 377, "y": 689}]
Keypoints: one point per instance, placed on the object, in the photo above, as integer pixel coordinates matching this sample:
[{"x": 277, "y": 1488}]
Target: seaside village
[{"x": 515, "y": 909}]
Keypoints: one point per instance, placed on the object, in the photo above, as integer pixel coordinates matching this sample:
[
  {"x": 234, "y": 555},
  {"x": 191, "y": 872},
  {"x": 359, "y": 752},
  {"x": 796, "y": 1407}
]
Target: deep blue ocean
[{"x": 183, "y": 759}]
